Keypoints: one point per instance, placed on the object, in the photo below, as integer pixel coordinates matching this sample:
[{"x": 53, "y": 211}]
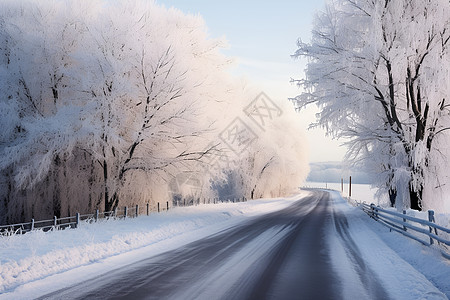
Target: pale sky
[{"x": 262, "y": 37}]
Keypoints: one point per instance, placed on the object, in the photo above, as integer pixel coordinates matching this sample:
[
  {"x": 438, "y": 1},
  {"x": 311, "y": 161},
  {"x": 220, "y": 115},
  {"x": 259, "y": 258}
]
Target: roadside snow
[
  {"x": 94, "y": 248},
  {"x": 37, "y": 263},
  {"x": 407, "y": 269},
  {"x": 365, "y": 193}
]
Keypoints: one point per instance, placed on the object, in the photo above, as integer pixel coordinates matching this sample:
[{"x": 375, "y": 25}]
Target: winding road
[{"x": 280, "y": 255}]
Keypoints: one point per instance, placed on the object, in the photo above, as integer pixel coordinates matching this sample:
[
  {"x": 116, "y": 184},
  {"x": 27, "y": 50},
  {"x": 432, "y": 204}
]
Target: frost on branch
[
  {"x": 103, "y": 104},
  {"x": 379, "y": 72}
]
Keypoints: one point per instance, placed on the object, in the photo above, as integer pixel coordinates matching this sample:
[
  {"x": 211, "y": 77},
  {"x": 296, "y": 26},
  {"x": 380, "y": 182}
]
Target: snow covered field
[
  {"x": 360, "y": 192},
  {"x": 37, "y": 263},
  {"x": 364, "y": 193}
]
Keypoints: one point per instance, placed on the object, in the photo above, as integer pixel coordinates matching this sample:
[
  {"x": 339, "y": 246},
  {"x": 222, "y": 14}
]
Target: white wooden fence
[{"x": 426, "y": 232}]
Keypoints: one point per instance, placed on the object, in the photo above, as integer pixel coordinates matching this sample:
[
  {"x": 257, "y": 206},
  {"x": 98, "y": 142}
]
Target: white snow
[
  {"x": 37, "y": 263},
  {"x": 406, "y": 268},
  {"x": 96, "y": 248},
  {"x": 366, "y": 194},
  {"x": 360, "y": 192},
  {"x": 224, "y": 277}
]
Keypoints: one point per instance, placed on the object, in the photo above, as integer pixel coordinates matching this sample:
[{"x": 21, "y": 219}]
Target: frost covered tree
[
  {"x": 274, "y": 163},
  {"x": 149, "y": 95},
  {"x": 379, "y": 72},
  {"x": 126, "y": 86},
  {"x": 40, "y": 113},
  {"x": 277, "y": 161},
  {"x": 103, "y": 103}
]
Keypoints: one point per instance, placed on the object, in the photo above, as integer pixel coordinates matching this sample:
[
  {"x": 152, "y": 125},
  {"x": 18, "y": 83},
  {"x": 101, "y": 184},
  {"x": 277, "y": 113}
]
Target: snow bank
[
  {"x": 360, "y": 192},
  {"x": 37, "y": 255},
  {"x": 406, "y": 268},
  {"x": 365, "y": 193}
]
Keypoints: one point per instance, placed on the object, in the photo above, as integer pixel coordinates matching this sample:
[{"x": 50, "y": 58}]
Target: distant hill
[{"x": 332, "y": 171}]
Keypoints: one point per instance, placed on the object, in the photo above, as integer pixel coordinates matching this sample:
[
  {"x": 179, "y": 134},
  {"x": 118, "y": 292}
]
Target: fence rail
[
  {"x": 118, "y": 213},
  {"x": 411, "y": 227}
]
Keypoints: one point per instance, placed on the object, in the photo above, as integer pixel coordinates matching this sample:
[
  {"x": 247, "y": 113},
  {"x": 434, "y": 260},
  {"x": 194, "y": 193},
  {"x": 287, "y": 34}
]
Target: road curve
[{"x": 280, "y": 255}]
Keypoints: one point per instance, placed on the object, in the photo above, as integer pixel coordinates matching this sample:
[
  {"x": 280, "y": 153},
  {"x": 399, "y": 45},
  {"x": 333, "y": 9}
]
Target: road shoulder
[{"x": 407, "y": 269}]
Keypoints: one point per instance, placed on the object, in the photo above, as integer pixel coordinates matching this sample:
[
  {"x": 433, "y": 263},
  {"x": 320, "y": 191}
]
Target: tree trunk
[
  {"x": 415, "y": 198},
  {"x": 392, "y": 196},
  {"x": 111, "y": 202},
  {"x": 55, "y": 175}
]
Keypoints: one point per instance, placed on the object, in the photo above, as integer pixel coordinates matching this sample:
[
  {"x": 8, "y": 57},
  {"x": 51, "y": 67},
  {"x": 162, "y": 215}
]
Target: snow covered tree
[
  {"x": 147, "y": 94},
  {"x": 126, "y": 85},
  {"x": 273, "y": 161},
  {"x": 104, "y": 103},
  {"x": 379, "y": 72}
]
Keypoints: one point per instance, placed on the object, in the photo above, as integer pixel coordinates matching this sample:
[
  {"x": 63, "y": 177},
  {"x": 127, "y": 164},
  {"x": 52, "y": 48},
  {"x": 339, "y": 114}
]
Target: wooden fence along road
[
  {"x": 118, "y": 213},
  {"x": 401, "y": 223},
  {"x": 411, "y": 227}
]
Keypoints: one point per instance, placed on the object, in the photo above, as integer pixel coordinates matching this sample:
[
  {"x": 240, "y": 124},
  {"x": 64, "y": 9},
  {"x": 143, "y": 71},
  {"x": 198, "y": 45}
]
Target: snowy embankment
[
  {"x": 365, "y": 193},
  {"x": 93, "y": 249},
  {"x": 405, "y": 267},
  {"x": 401, "y": 253},
  {"x": 37, "y": 263}
]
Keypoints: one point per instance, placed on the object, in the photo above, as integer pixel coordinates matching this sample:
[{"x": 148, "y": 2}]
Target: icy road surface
[{"x": 304, "y": 251}]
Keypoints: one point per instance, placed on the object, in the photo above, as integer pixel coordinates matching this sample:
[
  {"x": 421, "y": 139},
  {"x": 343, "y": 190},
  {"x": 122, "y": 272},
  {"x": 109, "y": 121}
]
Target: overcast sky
[{"x": 262, "y": 37}]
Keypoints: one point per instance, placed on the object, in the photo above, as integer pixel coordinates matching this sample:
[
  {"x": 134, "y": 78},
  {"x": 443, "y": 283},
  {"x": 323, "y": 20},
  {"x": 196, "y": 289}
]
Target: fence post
[
  {"x": 77, "y": 222},
  {"x": 342, "y": 185},
  {"x": 96, "y": 215},
  {"x": 148, "y": 209},
  {"x": 404, "y": 220},
  {"x": 158, "y": 206},
  {"x": 431, "y": 219},
  {"x": 32, "y": 224},
  {"x": 167, "y": 205},
  {"x": 115, "y": 212},
  {"x": 54, "y": 221},
  {"x": 125, "y": 211},
  {"x": 350, "y": 187},
  {"x": 137, "y": 210}
]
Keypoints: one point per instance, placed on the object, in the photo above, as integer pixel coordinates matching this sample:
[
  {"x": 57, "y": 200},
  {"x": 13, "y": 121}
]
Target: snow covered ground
[
  {"x": 364, "y": 193},
  {"x": 107, "y": 245},
  {"x": 393, "y": 256},
  {"x": 37, "y": 263},
  {"x": 360, "y": 192}
]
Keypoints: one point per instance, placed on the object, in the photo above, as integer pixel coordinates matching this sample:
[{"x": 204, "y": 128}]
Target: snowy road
[{"x": 280, "y": 255}]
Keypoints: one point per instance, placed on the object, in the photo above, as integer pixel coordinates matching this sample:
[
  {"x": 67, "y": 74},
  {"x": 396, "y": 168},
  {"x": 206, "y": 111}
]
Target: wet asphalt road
[{"x": 280, "y": 255}]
